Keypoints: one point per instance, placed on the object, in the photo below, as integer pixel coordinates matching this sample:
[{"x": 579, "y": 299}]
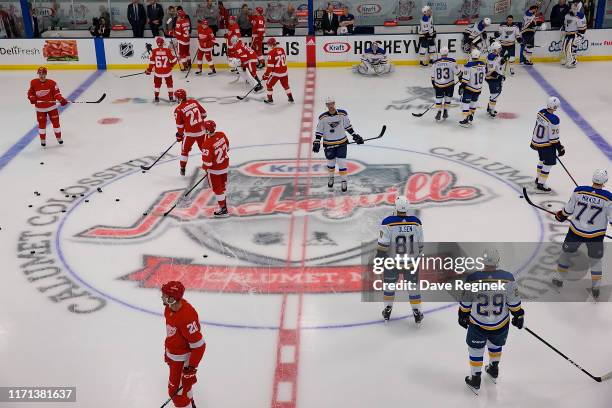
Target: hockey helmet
[
  {"x": 330, "y": 99},
  {"x": 444, "y": 51},
  {"x": 402, "y": 205},
  {"x": 600, "y": 176},
  {"x": 425, "y": 9},
  {"x": 159, "y": 41},
  {"x": 271, "y": 41},
  {"x": 260, "y": 10},
  {"x": 180, "y": 94},
  {"x": 475, "y": 54},
  {"x": 42, "y": 70},
  {"x": 203, "y": 22},
  {"x": 553, "y": 103},
  {"x": 181, "y": 12},
  {"x": 490, "y": 257},
  {"x": 496, "y": 46},
  {"x": 173, "y": 289},
  {"x": 487, "y": 21},
  {"x": 232, "y": 19},
  {"x": 210, "y": 126}
]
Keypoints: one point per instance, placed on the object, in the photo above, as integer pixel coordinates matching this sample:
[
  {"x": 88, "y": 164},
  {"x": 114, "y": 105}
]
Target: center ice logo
[{"x": 266, "y": 200}]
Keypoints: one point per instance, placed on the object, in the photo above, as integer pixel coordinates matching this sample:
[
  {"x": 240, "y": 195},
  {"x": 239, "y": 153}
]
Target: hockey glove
[
  {"x": 559, "y": 216},
  {"x": 560, "y": 150},
  {"x": 179, "y": 137},
  {"x": 32, "y": 101},
  {"x": 433, "y": 83},
  {"x": 464, "y": 319},
  {"x": 518, "y": 318},
  {"x": 63, "y": 102},
  {"x": 519, "y": 40},
  {"x": 166, "y": 359},
  {"x": 265, "y": 77},
  {"x": 503, "y": 77},
  {"x": 189, "y": 376},
  {"x": 461, "y": 88},
  {"x": 148, "y": 72},
  {"x": 358, "y": 139},
  {"x": 316, "y": 146}
]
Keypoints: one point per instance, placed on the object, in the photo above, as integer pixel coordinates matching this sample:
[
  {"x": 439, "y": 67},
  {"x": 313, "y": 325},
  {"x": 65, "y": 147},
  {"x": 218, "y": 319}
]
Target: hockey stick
[
  {"x": 98, "y": 101},
  {"x": 567, "y": 171},
  {"x": 418, "y": 115},
  {"x": 190, "y": 65},
  {"x": 247, "y": 94},
  {"x": 176, "y": 54},
  {"x": 598, "y": 379},
  {"x": 381, "y": 134},
  {"x": 186, "y": 194},
  {"x": 159, "y": 158},
  {"x": 129, "y": 75},
  {"x": 173, "y": 395},
  {"x": 531, "y": 203}
]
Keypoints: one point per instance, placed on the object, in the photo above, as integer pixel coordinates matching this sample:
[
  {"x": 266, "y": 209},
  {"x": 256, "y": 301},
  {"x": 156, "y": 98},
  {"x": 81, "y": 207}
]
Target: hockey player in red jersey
[
  {"x": 206, "y": 41},
  {"x": 276, "y": 70},
  {"x": 161, "y": 62},
  {"x": 182, "y": 33},
  {"x": 215, "y": 161},
  {"x": 233, "y": 30},
  {"x": 44, "y": 95},
  {"x": 189, "y": 116},
  {"x": 184, "y": 345},
  {"x": 248, "y": 62},
  {"x": 258, "y": 21}
]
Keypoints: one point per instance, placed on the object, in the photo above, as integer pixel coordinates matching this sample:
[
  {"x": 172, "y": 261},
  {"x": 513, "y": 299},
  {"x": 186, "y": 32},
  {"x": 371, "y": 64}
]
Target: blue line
[
  {"x": 25, "y": 140},
  {"x": 100, "y": 55},
  {"x": 574, "y": 115}
]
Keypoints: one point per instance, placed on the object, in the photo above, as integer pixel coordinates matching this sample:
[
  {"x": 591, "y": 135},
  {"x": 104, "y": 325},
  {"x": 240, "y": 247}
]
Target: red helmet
[
  {"x": 271, "y": 41},
  {"x": 160, "y": 41},
  {"x": 259, "y": 10},
  {"x": 180, "y": 94},
  {"x": 181, "y": 13},
  {"x": 210, "y": 126},
  {"x": 41, "y": 70},
  {"x": 204, "y": 22},
  {"x": 174, "y": 289},
  {"x": 232, "y": 19}
]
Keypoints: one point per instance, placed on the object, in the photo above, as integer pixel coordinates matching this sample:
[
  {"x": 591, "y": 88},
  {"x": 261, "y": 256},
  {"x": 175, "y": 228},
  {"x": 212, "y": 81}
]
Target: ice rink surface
[{"x": 277, "y": 284}]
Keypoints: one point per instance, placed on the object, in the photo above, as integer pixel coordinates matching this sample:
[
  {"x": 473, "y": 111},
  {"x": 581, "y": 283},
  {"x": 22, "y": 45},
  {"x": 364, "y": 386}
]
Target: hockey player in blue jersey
[
  {"x": 472, "y": 78},
  {"x": 374, "y": 61},
  {"x": 443, "y": 80},
  {"x": 530, "y": 25},
  {"x": 495, "y": 76},
  {"x": 589, "y": 210},
  {"x": 401, "y": 234},
  {"x": 331, "y": 131},
  {"x": 427, "y": 37},
  {"x": 474, "y": 35},
  {"x": 486, "y": 316},
  {"x": 545, "y": 140}
]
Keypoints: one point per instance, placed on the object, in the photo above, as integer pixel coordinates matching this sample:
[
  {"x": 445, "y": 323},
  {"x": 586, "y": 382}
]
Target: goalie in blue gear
[{"x": 374, "y": 61}]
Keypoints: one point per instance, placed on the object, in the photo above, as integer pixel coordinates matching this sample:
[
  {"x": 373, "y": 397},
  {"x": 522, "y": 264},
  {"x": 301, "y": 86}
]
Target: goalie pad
[{"x": 373, "y": 65}]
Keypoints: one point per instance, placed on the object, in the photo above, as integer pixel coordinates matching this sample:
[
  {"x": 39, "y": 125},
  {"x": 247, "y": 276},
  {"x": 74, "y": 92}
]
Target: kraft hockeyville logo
[
  {"x": 369, "y": 8},
  {"x": 316, "y": 168},
  {"x": 337, "y": 47}
]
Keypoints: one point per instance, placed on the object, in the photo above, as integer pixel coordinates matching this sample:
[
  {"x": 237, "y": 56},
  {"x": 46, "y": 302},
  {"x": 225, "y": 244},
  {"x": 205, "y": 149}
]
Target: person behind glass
[
  {"x": 155, "y": 16},
  {"x": 330, "y": 21},
  {"x": 104, "y": 28},
  {"x": 289, "y": 20},
  {"x": 244, "y": 21},
  {"x": 557, "y": 15},
  {"x": 170, "y": 22},
  {"x": 347, "y": 20},
  {"x": 211, "y": 14},
  {"x": 137, "y": 17},
  {"x": 99, "y": 28}
]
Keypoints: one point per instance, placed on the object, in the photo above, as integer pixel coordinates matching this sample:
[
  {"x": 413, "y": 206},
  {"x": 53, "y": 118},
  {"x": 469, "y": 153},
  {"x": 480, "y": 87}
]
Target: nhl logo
[{"x": 126, "y": 49}]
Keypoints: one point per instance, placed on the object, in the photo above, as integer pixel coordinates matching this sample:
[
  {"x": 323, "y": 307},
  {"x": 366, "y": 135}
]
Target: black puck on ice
[
  {"x": 86, "y": 201},
  {"x": 32, "y": 252},
  {"x": 63, "y": 210},
  {"x": 204, "y": 256},
  {"x": 73, "y": 196},
  {"x": 30, "y": 206},
  {"x": 143, "y": 172},
  {"x": 99, "y": 190},
  {"x": 82, "y": 195},
  {"x": 42, "y": 162},
  {"x": 144, "y": 213},
  {"x": 61, "y": 189},
  {"x": 67, "y": 195},
  {"x": 550, "y": 205},
  {"x": 116, "y": 199},
  {"x": 520, "y": 196}
]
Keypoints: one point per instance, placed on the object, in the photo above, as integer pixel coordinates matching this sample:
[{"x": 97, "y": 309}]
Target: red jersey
[
  {"x": 44, "y": 94},
  {"x": 184, "y": 340},
  {"x": 259, "y": 26},
  {"x": 277, "y": 63},
  {"x": 161, "y": 61},
  {"x": 182, "y": 30},
  {"x": 233, "y": 29},
  {"x": 214, "y": 153},
  {"x": 189, "y": 116},
  {"x": 244, "y": 53},
  {"x": 206, "y": 38}
]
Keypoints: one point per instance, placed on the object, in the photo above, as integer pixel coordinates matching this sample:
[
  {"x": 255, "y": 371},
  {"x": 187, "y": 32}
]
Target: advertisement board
[{"x": 64, "y": 53}]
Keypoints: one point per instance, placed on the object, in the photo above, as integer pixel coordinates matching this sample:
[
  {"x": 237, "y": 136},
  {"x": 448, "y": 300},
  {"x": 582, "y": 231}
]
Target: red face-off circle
[{"x": 109, "y": 121}]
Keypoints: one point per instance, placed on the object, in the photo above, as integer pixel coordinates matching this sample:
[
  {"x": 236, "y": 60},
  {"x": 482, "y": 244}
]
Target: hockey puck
[
  {"x": 32, "y": 252},
  {"x": 521, "y": 197},
  {"x": 42, "y": 162},
  {"x": 64, "y": 211},
  {"x": 550, "y": 205},
  {"x": 144, "y": 213},
  {"x": 86, "y": 201},
  {"x": 204, "y": 256},
  {"x": 116, "y": 199},
  {"x": 61, "y": 189},
  {"x": 73, "y": 196},
  {"x": 143, "y": 172},
  {"x": 30, "y": 206},
  {"x": 67, "y": 196},
  {"x": 99, "y": 190},
  {"x": 82, "y": 195},
  {"x": 36, "y": 193}
]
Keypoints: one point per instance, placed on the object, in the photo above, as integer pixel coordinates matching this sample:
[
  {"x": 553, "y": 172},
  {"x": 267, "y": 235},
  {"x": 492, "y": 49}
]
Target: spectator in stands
[
  {"x": 330, "y": 21},
  {"x": 244, "y": 21},
  {"x": 557, "y": 15},
  {"x": 137, "y": 17},
  {"x": 347, "y": 20},
  {"x": 170, "y": 21},
  {"x": 155, "y": 16},
  {"x": 211, "y": 14},
  {"x": 289, "y": 21},
  {"x": 99, "y": 28}
]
